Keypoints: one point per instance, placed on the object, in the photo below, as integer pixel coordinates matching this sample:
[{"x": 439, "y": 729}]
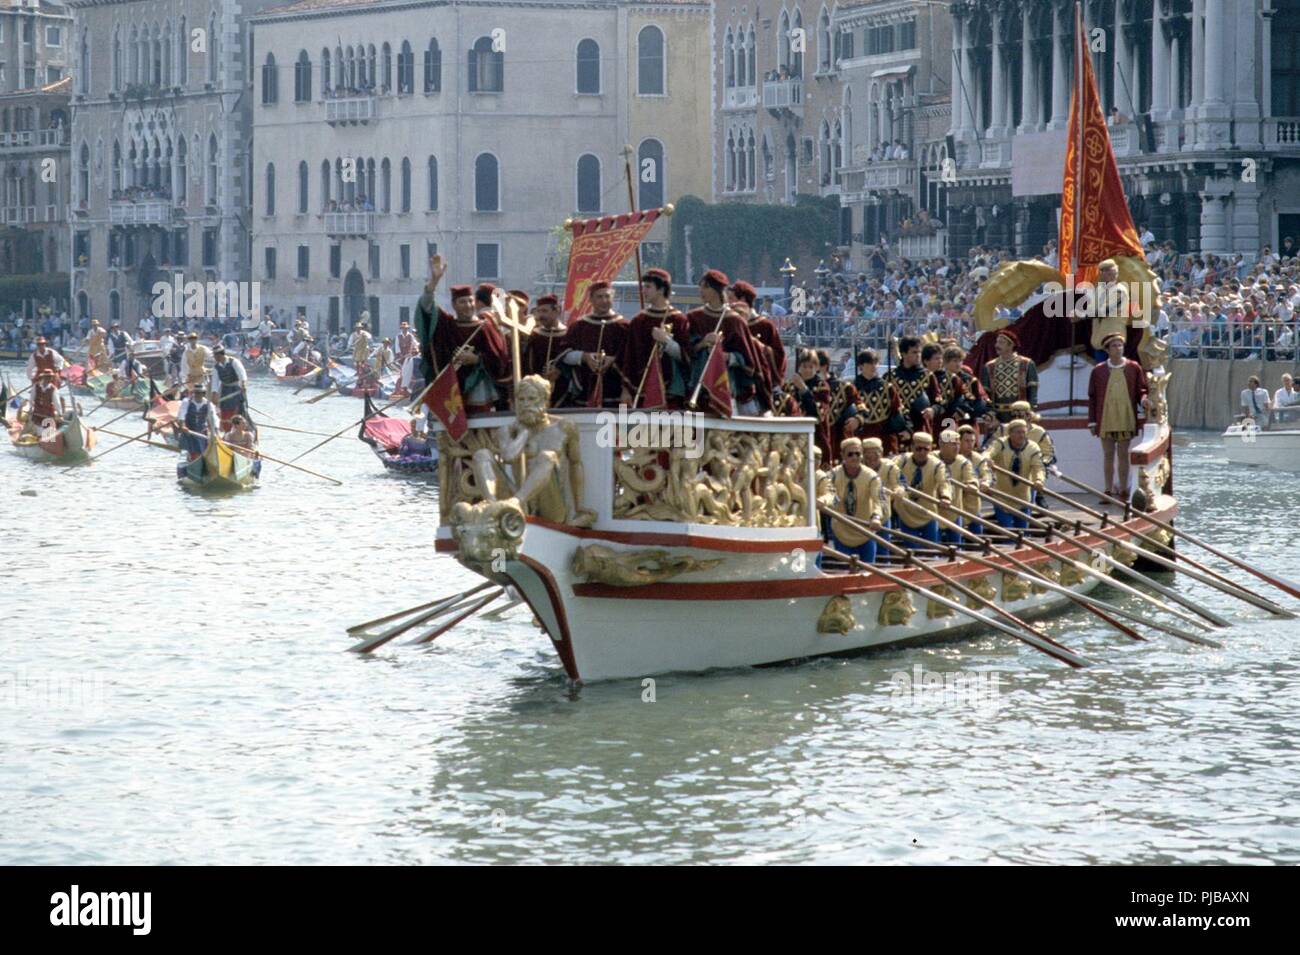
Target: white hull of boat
[{"x": 1252, "y": 446}]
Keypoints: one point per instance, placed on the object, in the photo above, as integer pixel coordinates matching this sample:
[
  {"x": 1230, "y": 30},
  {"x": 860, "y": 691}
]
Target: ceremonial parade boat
[
  {"x": 384, "y": 436},
  {"x": 220, "y": 468},
  {"x": 70, "y": 443},
  {"x": 642, "y": 551}
]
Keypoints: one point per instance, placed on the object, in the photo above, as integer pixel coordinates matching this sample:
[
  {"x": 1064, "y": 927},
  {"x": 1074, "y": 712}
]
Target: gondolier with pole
[{"x": 230, "y": 384}]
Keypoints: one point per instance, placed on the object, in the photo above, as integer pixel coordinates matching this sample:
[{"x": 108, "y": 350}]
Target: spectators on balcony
[{"x": 137, "y": 193}]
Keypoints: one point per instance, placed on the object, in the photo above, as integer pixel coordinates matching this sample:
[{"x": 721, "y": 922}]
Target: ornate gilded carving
[
  {"x": 1161, "y": 535},
  {"x": 1151, "y": 480},
  {"x": 635, "y": 568},
  {"x": 536, "y": 462},
  {"x": 1122, "y": 554},
  {"x": 1014, "y": 587},
  {"x": 836, "y": 616},
  {"x": 1050, "y": 573},
  {"x": 934, "y": 609},
  {"x": 1157, "y": 388},
  {"x": 896, "y": 609},
  {"x": 1069, "y": 575},
  {"x": 982, "y": 587},
  {"x": 746, "y": 479},
  {"x": 487, "y": 530}
]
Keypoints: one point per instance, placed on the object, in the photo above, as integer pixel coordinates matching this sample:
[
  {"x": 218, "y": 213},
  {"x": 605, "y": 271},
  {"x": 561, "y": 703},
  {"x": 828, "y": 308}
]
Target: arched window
[
  {"x": 83, "y": 176},
  {"x": 116, "y": 182},
  {"x": 372, "y": 64},
  {"x": 729, "y": 60},
  {"x": 302, "y": 78},
  {"x": 156, "y": 72},
  {"x": 433, "y": 183},
  {"x": 370, "y": 183},
  {"x": 824, "y": 41},
  {"x": 325, "y": 179},
  {"x": 650, "y": 173},
  {"x": 405, "y": 69},
  {"x": 650, "y": 61},
  {"x": 213, "y": 48},
  {"x": 730, "y": 157},
  {"x": 487, "y": 67},
  {"x": 588, "y": 183},
  {"x": 751, "y": 55},
  {"x": 433, "y": 67},
  {"x": 783, "y": 41},
  {"x": 83, "y": 64},
  {"x": 302, "y": 187},
  {"x": 270, "y": 91},
  {"x": 386, "y": 68},
  {"x": 796, "y": 68},
  {"x": 325, "y": 70},
  {"x": 179, "y": 190},
  {"x": 740, "y": 60},
  {"x": 751, "y": 162},
  {"x": 214, "y": 171},
  {"x": 487, "y": 185},
  {"x": 824, "y": 140},
  {"x": 270, "y": 189},
  {"x": 117, "y": 59},
  {"x": 385, "y": 186},
  {"x": 406, "y": 184},
  {"x": 183, "y": 55},
  {"x": 588, "y": 66}
]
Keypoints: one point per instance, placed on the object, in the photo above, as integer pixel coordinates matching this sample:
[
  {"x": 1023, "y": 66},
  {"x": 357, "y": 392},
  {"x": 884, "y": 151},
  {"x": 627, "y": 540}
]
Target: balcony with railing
[
  {"x": 740, "y": 97},
  {"x": 880, "y": 176},
  {"x": 1282, "y": 132},
  {"x": 140, "y": 211},
  {"x": 34, "y": 139},
  {"x": 18, "y": 215},
  {"x": 349, "y": 223},
  {"x": 1125, "y": 140},
  {"x": 783, "y": 95},
  {"x": 351, "y": 110}
]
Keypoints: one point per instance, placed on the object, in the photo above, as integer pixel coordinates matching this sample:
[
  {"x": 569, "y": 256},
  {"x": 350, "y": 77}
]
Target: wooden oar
[
  {"x": 261, "y": 412},
  {"x": 1229, "y": 587},
  {"x": 355, "y": 424},
  {"x": 1017, "y": 505},
  {"x": 280, "y": 427},
  {"x": 910, "y": 559},
  {"x": 448, "y": 605},
  {"x": 1031, "y": 638},
  {"x": 112, "y": 420},
  {"x": 142, "y": 438},
  {"x": 439, "y": 630},
  {"x": 362, "y": 627},
  {"x": 1093, "y": 606},
  {"x": 1280, "y": 583},
  {"x": 332, "y": 389},
  {"x": 1020, "y": 540}
]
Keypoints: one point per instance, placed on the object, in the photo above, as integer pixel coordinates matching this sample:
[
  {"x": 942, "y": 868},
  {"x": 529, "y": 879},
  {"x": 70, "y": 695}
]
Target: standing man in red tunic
[
  {"x": 469, "y": 340},
  {"x": 662, "y": 331},
  {"x": 541, "y": 353},
  {"x": 592, "y": 348},
  {"x": 714, "y": 321},
  {"x": 767, "y": 339},
  {"x": 44, "y": 358},
  {"x": 1117, "y": 387},
  {"x": 47, "y": 403}
]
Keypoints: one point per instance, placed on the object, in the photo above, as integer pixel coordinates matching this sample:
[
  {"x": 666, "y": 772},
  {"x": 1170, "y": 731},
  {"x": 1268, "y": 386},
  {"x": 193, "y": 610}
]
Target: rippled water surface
[{"x": 174, "y": 691}]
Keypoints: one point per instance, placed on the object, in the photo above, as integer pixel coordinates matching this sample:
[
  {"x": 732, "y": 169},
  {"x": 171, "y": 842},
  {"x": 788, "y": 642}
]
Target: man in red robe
[
  {"x": 470, "y": 340},
  {"x": 659, "y": 330},
  {"x": 541, "y": 353},
  {"x": 715, "y": 322},
  {"x": 592, "y": 348},
  {"x": 762, "y": 330}
]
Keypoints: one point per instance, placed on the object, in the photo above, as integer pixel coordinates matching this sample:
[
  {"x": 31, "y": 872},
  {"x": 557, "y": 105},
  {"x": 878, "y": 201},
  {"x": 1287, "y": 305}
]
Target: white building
[{"x": 385, "y": 131}]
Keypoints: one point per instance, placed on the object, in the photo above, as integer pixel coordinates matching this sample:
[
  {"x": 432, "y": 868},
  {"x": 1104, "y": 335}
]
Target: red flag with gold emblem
[
  {"x": 1095, "y": 221},
  {"x": 444, "y": 399},
  {"x": 716, "y": 381},
  {"x": 600, "y": 249}
]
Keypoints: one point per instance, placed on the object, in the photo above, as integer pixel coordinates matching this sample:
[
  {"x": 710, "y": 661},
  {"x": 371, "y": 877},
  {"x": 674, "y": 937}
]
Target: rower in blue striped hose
[
  {"x": 920, "y": 470},
  {"x": 1024, "y": 459}
]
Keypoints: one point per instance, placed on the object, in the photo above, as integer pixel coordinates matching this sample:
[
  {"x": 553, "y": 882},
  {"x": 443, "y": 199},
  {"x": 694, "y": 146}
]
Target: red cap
[
  {"x": 597, "y": 285},
  {"x": 483, "y": 294},
  {"x": 1008, "y": 334},
  {"x": 659, "y": 277},
  {"x": 745, "y": 292},
  {"x": 40, "y": 340},
  {"x": 715, "y": 280},
  {"x": 549, "y": 299},
  {"x": 461, "y": 291}
]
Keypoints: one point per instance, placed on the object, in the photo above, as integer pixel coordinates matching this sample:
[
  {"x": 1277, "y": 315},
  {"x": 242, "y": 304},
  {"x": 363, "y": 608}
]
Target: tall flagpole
[{"x": 631, "y": 204}]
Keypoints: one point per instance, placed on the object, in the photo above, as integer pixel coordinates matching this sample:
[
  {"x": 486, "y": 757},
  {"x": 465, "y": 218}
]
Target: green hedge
[
  {"x": 16, "y": 289},
  {"x": 748, "y": 240}
]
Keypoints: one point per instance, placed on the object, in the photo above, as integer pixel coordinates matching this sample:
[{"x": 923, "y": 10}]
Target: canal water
[{"x": 175, "y": 689}]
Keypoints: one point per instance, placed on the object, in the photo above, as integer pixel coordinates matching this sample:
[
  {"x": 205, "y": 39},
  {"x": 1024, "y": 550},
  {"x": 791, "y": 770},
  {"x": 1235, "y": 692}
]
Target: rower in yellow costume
[
  {"x": 195, "y": 361},
  {"x": 961, "y": 473},
  {"x": 970, "y": 500},
  {"x": 923, "y": 471},
  {"x": 887, "y": 469},
  {"x": 1024, "y": 458},
  {"x": 857, "y": 494}
]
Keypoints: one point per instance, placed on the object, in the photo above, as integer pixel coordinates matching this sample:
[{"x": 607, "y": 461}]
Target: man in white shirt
[
  {"x": 44, "y": 357},
  {"x": 146, "y": 326},
  {"x": 1255, "y": 402},
  {"x": 1286, "y": 400}
]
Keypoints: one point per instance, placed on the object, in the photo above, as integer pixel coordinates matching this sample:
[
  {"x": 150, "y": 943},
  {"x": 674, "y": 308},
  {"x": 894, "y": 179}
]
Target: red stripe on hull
[{"x": 564, "y": 646}]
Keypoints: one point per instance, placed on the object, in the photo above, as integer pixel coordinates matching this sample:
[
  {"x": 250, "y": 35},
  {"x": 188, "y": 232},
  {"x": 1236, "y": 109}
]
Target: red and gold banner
[
  {"x": 444, "y": 399},
  {"x": 600, "y": 249},
  {"x": 717, "y": 383},
  {"x": 1095, "y": 221}
]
